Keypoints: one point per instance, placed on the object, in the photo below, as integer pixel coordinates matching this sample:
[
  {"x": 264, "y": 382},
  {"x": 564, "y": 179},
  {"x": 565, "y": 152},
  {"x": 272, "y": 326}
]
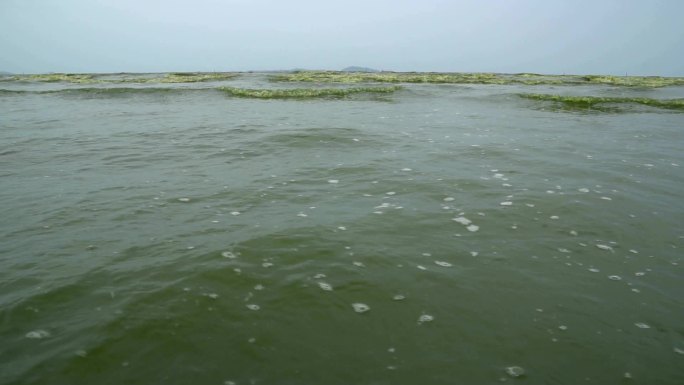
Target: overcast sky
[{"x": 635, "y": 37}]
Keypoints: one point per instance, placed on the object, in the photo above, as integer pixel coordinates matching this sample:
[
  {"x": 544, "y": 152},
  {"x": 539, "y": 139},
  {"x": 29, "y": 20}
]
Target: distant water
[{"x": 445, "y": 234}]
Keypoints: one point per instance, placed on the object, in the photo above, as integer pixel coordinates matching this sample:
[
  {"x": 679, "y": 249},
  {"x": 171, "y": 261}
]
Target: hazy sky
[{"x": 636, "y": 37}]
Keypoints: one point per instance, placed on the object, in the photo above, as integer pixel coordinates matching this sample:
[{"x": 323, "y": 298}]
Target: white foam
[
  {"x": 515, "y": 371},
  {"x": 421, "y": 267},
  {"x": 443, "y": 264},
  {"x": 253, "y": 306},
  {"x": 184, "y": 199},
  {"x": 399, "y": 297},
  {"x": 425, "y": 318},
  {"x": 360, "y": 307},
  {"x": 333, "y": 181},
  {"x": 473, "y": 228},
  {"x": 228, "y": 254},
  {"x": 506, "y": 203},
  {"x": 462, "y": 220},
  {"x": 38, "y": 334},
  {"x": 642, "y": 325},
  {"x": 605, "y": 247},
  {"x": 236, "y": 213},
  {"x": 325, "y": 286}
]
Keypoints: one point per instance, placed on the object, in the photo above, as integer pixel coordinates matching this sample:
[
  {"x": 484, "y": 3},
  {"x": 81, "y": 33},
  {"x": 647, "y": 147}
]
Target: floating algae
[
  {"x": 475, "y": 78},
  {"x": 173, "y": 77},
  {"x": 592, "y": 102},
  {"x": 412, "y": 77},
  {"x": 305, "y": 93}
]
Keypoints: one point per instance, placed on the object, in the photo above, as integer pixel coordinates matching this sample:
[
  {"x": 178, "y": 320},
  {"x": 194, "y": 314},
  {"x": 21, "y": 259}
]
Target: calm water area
[{"x": 443, "y": 234}]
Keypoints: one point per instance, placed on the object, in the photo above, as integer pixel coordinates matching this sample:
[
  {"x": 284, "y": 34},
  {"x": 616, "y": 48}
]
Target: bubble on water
[
  {"x": 425, "y": 318},
  {"x": 639, "y": 273},
  {"x": 443, "y": 264},
  {"x": 184, "y": 199},
  {"x": 550, "y": 192},
  {"x": 38, "y": 334},
  {"x": 506, "y": 203},
  {"x": 473, "y": 228},
  {"x": 406, "y": 169},
  {"x": 399, "y": 297},
  {"x": 607, "y": 198},
  {"x": 426, "y": 255},
  {"x": 391, "y": 350},
  {"x": 605, "y": 247},
  {"x": 319, "y": 276},
  {"x": 228, "y": 254},
  {"x": 594, "y": 270},
  {"x": 360, "y": 307},
  {"x": 498, "y": 176},
  {"x": 235, "y": 213},
  {"x": 259, "y": 287},
  {"x": 636, "y": 290},
  {"x": 529, "y": 204},
  {"x": 267, "y": 264},
  {"x": 562, "y": 250},
  {"x": 237, "y": 270},
  {"x": 449, "y": 199},
  {"x": 212, "y": 295},
  {"x": 515, "y": 371},
  {"x": 474, "y": 253},
  {"x": 633, "y": 251},
  {"x": 325, "y": 286},
  {"x": 462, "y": 220},
  {"x": 678, "y": 350},
  {"x": 563, "y": 327},
  {"x": 628, "y": 375},
  {"x": 253, "y": 306},
  {"x": 584, "y": 190},
  {"x": 421, "y": 267},
  {"x": 573, "y": 232},
  {"x": 301, "y": 214},
  {"x": 390, "y": 193},
  {"x": 642, "y": 325},
  {"x": 614, "y": 277},
  {"x": 554, "y": 217},
  {"x": 359, "y": 264},
  {"x": 81, "y": 353}
]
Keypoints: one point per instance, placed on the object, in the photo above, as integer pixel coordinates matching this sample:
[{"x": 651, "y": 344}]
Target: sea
[{"x": 442, "y": 234}]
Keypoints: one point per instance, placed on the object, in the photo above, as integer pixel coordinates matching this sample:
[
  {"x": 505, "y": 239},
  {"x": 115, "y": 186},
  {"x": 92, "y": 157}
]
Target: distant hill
[
  {"x": 359, "y": 69},
  {"x": 3, "y": 73}
]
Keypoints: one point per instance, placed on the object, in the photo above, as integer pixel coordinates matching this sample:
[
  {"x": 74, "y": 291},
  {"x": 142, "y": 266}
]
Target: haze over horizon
[{"x": 580, "y": 37}]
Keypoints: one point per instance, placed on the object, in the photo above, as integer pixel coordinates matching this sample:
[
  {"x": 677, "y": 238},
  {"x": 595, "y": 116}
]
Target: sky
[{"x": 633, "y": 37}]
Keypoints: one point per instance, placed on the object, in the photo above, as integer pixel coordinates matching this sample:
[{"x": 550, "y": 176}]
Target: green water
[{"x": 186, "y": 236}]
